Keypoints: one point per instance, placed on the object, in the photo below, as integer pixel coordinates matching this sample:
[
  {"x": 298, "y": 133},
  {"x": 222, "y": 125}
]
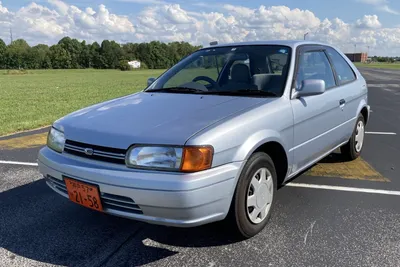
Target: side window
[
  {"x": 343, "y": 70},
  {"x": 315, "y": 65}
]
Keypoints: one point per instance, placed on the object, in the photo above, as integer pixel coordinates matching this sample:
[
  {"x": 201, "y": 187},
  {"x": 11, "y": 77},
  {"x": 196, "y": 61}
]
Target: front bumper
[{"x": 173, "y": 199}]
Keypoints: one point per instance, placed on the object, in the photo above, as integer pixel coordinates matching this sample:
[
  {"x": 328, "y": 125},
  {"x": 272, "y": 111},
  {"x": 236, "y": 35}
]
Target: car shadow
[
  {"x": 335, "y": 157},
  {"x": 38, "y": 224}
]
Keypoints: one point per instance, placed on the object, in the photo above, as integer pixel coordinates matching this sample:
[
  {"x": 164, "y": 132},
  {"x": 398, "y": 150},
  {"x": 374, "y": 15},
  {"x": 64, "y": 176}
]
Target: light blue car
[{"x": 213, "y": 137}]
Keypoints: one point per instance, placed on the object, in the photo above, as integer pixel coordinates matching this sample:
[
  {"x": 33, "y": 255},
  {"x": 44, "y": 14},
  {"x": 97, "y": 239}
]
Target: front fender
[{"x": 255, "y": 141}]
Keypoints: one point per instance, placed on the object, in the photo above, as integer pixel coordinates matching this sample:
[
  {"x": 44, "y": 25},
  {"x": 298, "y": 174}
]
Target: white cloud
[
  {"x": 90, "y": 11},
  {"x": 369, "y": 22},
  {"x": 146, "y": 2},
  {"x": 60, "y": 5},
  {"x": 40, "y": 24},
  {"x": 171, "y": 22},
  {"x": 382, "y": 5},
  {"x": 373, "y": 2},
  {"x": 176, "y": 14},
  {"x": 387, "y": 9}
]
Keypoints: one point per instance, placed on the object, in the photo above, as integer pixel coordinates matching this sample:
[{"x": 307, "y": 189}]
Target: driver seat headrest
[{"x": 240, "y": 73}]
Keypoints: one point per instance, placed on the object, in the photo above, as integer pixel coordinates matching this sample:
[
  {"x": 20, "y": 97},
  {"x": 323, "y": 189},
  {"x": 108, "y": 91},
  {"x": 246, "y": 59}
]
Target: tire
[
  {"x": 352, "y": 150},
  {"x": 240, "y": 214}
]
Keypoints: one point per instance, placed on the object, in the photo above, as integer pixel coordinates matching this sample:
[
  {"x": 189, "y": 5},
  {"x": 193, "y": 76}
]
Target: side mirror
[
  {"x": 150, "y": 81},
  {"x": 311, "y": 87}
]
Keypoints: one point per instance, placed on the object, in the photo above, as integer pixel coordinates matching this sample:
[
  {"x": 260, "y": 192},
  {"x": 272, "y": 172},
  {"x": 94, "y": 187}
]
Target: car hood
[{"x": 150, "y": 118}]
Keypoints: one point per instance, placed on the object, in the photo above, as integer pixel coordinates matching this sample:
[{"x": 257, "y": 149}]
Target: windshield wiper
[
  {"x": 246, "y": 92},
  {"x": 177, "y": 89},
  {"x": 257, "y": 92}
]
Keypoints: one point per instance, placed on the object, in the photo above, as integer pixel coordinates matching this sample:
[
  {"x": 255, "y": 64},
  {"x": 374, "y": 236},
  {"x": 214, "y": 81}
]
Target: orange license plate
[{"x": 84, "y": 194}]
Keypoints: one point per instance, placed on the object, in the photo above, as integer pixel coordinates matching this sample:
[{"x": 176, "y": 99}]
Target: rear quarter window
[{"x": 344, "y": 72}]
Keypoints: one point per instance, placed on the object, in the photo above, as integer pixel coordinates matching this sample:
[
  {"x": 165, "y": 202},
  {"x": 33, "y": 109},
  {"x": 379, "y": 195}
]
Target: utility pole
[
  {"x": 305, "y": 35},
  {"x": 11, "y": 36}
]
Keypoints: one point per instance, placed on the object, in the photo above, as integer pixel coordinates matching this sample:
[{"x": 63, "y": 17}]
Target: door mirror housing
[
  {"x": 310, "y": 88},
  {"x": 150, "y": 81}
]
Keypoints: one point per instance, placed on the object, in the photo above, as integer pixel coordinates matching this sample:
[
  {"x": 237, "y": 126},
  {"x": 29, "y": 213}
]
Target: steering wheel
[{"x": 207, "y": 79}]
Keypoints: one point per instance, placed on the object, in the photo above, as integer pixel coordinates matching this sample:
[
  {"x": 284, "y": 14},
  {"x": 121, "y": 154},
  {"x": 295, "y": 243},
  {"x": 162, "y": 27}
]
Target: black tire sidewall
[
  {"x": 353, "y": 150},
  {"x": 257, "y": 161},
  {"x": 349, "y": 150}
]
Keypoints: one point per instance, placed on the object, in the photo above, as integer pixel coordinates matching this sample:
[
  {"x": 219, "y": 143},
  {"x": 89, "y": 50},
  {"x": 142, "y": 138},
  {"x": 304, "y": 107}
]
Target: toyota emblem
[{"x": 89, "y": 151}]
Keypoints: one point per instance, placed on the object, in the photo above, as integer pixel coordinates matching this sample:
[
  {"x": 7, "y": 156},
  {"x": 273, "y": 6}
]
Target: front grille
[
  {"x": 109, "y": 201},
  {"x": 107, "y": 154}
]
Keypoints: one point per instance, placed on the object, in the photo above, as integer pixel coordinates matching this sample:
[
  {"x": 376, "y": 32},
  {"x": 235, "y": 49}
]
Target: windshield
[{"x": 224, "y": 70}]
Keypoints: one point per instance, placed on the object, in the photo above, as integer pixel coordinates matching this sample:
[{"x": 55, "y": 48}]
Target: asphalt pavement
[{"x": 309, "y": 227}]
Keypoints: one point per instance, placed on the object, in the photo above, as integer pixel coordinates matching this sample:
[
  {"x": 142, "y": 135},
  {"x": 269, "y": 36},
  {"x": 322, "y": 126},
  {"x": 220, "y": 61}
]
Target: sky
[{"x": 351, "y": 25}]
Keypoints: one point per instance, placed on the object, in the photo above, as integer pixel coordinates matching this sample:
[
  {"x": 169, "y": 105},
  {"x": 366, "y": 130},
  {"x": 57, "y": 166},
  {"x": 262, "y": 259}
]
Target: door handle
[{"x": 342, "y": 102}]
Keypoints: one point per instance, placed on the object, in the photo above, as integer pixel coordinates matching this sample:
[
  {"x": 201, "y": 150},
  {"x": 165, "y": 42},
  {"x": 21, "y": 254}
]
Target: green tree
[
  {"x": 112, "y": 54},
  {"x": 73, "y": 47},
  {"x": 84, "y": 59},
  {"x": 70, "y": 53},
  {"x": 39, "y": 57},
  {"x": 17, "y": 54},
  {"x": 123, "y": 65},
  {"x": 3, "y": 48},
  {"x": 60, "y": 58},
  {"x": 130, "y": 51},
  {"x": 44, "y": 56}
]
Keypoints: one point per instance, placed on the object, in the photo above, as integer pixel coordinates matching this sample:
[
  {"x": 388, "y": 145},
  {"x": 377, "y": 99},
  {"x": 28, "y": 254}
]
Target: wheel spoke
[
  {"x": 254, "y": 214},
  {"x": 263, "y": 175},
  {"x": 256, "y": 184},
  {"x": 251, "y": 201}
]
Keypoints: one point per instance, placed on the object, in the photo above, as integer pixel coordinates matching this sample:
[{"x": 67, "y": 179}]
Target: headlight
[
  {"x": 185, "y": 159},
  {"x": 56, "y": 140}
]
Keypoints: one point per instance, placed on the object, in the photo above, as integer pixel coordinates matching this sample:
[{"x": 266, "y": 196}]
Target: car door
[
  {"x": 317, "y": 118},
  {"x": 350, "y": 90}
]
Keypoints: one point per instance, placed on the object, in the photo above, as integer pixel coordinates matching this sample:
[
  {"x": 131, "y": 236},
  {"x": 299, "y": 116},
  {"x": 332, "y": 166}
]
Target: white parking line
[
  {"x": 381, "y": 133},
  {"x": 343, "y": 188},
  {"x": 18, "y": 163}
]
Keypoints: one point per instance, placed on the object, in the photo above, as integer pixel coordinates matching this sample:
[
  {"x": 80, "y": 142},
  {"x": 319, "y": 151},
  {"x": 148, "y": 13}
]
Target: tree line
[
  {"x": 70, "y": 53},
  {"x": 385, "y": 59}
]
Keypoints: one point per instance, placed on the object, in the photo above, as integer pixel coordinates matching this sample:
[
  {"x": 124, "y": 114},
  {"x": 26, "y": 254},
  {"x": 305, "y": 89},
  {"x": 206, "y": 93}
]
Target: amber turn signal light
[{"x": 197, "y": 158}]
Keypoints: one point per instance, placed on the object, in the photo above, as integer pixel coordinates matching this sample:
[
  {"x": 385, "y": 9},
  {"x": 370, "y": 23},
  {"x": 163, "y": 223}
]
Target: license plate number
[{"x": 84, "y": 194}]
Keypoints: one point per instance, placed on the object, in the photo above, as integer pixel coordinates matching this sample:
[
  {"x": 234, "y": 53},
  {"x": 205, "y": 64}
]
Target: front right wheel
[{"x": 254, "y": 196}]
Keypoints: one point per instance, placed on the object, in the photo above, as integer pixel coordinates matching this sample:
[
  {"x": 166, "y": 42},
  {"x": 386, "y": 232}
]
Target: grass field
[
  {"x": 39, "y": 97},
  {"x": 394, "y": 66}
]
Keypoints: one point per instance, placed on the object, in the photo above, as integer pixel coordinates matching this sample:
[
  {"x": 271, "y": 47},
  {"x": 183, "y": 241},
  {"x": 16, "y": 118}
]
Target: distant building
[
  {"x": 134, "y": 64},
  {"x": 358, "y": 57}
]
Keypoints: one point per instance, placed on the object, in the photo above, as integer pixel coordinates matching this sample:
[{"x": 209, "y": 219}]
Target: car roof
[{"x": 290, "y": 43}]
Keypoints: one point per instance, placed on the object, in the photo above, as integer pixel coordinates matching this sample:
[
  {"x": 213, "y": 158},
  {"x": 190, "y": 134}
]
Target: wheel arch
[
  {"x": 278, "y": 155},
  {"x": 363, "y": 109},
  {"x": 365, "y": 112},
  {"x": 273, "y": 145}
]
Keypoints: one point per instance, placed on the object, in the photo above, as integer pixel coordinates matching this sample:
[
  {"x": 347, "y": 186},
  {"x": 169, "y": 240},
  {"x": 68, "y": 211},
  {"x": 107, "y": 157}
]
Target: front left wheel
[{"x": 254, "y": 196}]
